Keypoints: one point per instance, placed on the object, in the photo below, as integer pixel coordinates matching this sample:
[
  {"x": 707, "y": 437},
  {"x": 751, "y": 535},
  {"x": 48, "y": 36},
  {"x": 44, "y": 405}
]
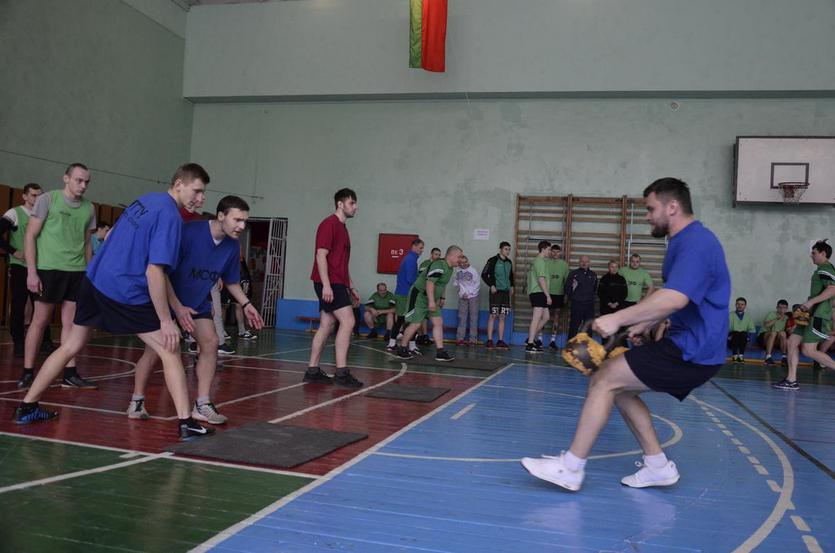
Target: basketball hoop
[{"x": 791, "y": 192}]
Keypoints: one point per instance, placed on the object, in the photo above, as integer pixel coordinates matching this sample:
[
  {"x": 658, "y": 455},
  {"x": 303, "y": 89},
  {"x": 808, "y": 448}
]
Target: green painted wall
[
  {"x": 95, "y": 81},
  {"x": 443, "y": 168}
]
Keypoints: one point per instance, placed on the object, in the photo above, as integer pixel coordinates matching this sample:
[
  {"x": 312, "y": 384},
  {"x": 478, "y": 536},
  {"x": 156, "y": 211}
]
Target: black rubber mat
[
  {"x": 268, "y": 444},
  {"x": 423, "y": 394}
]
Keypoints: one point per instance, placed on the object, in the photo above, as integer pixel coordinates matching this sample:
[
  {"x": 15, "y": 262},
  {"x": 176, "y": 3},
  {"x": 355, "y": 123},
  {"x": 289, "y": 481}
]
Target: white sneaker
[
  {"x": 553, "y": 470},
  {"x": 648, "y": 476},
  {"x": 208, "y": 413},
  {"x": 136, "y": 410}
]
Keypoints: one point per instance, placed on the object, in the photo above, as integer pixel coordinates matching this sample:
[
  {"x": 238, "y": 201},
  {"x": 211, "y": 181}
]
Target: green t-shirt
[
  {"x": 778, "y": 326},
  {"x": 636, "y": 279},
  {"x": 823, "y": 277},
  {"x": 557, "y": 272},
  {"x": 539, "y": 268},
  {"x": 735, "y": 324},
  {"x": 378, "y": 302},
  {"x": 439, "y": 272}
]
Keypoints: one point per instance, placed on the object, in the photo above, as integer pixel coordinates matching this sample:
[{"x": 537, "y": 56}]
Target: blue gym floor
[{"x": 756, "y": 466}]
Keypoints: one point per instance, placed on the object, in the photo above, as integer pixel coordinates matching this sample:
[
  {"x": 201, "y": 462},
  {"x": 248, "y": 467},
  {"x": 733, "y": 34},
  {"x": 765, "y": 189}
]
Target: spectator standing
[
  {"x": 498, "y": 275},
  {"x": 581, "y": 289},
  {"x": 739, "y": 325},
  {"x": 468, "y": 282},
  {"x": 612, "y": 290},
  {"x": 637, "y": 278}
]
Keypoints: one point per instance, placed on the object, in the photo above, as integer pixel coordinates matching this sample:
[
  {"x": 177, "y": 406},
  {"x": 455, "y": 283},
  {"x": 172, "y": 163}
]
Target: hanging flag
[{"x": 427, "y": 34}]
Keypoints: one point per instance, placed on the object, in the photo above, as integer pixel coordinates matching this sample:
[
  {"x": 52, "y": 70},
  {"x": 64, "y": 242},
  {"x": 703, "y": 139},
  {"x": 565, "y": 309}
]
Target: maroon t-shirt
[
  {"x": 188, "y": 216},
  {"x": 332, "y": 235}
]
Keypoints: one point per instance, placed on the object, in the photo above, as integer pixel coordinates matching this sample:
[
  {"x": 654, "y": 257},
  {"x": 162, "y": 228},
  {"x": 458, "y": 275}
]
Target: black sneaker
[
  {"x": 18, "y": 349},
  {"x": 404, "y": 353},
  {"x": 192, "y": 347},
  {"x": 501, "y": 345},
  {"x": 225, "y": 349},
  {"x": 784, "y": 362},
  {"x": 423, "y": 340},
  {"x": 392, "y": 348},
  {"x": 444, "y": 356},
  {"x": 26, "y": 380},
  {"x": 552, "y": 345},
  {"x": 372, "y": 335},
  {"x": 191, "y": 430},
  {"x": 532, "y": 348},
  {"x": 317, "y": 377},
  {"x": 346, "y": 380},
  {"x": 47, "y": 347},
  {"x": 488, "y": 344},
  {"x": 76, "y": 381},
  {"x": 768, "y": 361},
  {"x": 415, "y": 352},
  {"x": 23, "y": 415},
  {"x": 387, "y": 335},
  {"x": 786, "y": 385},
  {"x": 538, "y": 343}
]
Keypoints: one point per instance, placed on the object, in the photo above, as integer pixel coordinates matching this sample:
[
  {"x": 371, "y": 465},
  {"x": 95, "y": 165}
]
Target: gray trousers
[{"x": 467, "y": 308}]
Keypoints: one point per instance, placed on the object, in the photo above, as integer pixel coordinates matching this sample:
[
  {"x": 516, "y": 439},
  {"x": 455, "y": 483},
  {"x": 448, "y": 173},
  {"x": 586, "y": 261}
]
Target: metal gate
[{"x": 274, "y": 270}]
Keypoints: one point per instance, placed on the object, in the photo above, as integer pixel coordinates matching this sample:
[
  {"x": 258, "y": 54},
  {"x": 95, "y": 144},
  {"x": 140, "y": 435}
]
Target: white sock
[
  {"x": 573, "y": 463},
  {"x": 392, "y": 342},
  {"x": 554, "y": 337},
  {"x": 412, "y": 345},
  {"x": 202, "y": 400},
  {"x": 658, "y": 461},
  {"x": 136, "y": 397}
]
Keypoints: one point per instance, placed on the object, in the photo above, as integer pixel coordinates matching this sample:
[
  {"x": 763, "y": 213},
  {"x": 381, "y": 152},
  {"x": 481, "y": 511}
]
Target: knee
[{"x": 210, "y": 342}]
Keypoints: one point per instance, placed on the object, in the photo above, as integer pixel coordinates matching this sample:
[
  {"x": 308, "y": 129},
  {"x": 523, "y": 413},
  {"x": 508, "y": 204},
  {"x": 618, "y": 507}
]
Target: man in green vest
[
  {"x": 57, "y": 248},
  {"x": 636, "y": 279},
  {"x": 14, "y": 222}
]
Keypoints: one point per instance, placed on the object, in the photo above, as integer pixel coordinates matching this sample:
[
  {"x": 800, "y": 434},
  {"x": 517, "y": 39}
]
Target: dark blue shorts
[
  {"x": 96, "y": 310},
  {"x": 659, "y": 365},
  {"x": 341, "y": 297}
]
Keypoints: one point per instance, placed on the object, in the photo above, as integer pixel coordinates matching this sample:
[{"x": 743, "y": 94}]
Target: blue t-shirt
[
  {"x": 202, "y": 263},
  {"x": 407, "y": 273},
  {"x": 148, "y": 232},
  {"x": 695, "y": 266}
]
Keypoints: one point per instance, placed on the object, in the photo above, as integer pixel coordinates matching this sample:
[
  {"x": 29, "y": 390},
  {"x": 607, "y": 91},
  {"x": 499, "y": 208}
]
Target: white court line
[
  {"x": 536, "y": 391},
  {"x": 268, "y": 392},
  {"x": 800, "y": 524},
  {"x": 784, "y": 499},
  {"x": 83, "y": 408},
  {"x": 775, "y": 487},
  {"x": 340, "y": 398},
  {"x": 80, "y": 473},
  {"x": 812, "y": 544},
  {"x": 462, "y": 412},
  {"x": 170, "y": 458},
  {"x": 249, "y": 521}
]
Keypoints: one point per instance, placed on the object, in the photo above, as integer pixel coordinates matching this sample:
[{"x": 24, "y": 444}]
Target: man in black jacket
[
  {"x": 581, "y": 288},
  {"x": 498, "y": 275},
  {"x": 612, "y": 290}
]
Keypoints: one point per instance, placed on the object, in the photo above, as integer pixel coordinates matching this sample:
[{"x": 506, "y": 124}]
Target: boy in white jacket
[{"x": 468, "y": 282}]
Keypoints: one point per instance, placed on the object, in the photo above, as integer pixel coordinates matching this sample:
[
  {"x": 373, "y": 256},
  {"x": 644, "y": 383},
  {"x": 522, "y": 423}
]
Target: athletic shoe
[
  {"x": 391, "y": 347},
  {"x": 318, "y": 377},
  {"x": 532, "y": 348},
  {"x": 538, "y": 343},
  {"x": 415, "y": 352},
  {"x": 424, "y": 340},
  {"x": 740, "y": 359},
  {"x": 248, "y": 335},
  {"x": 387, "y": 335},
  {"x": 47, "y": 347},
  {"x": 190, "y": 430},
  {"x": 23, "y": 415},
  {"x": 461, "y": 343},
  {"x": 188, "y": 338},
  {"x": 371, "y": 335},
  {"x": 136, "y": 410},
  {"x": 192, "y": 348},
  {"x": 553, "y": 345},
  {"x": 768, "y": 361},
  {"x": 18, "y": 349},
  {"x": 647, "y": 476},
  {"x": 501, "y": 345},
  {"x": 489, "y": 344},
  {"x": 26, "y": 380},
  {"x": 226, "y": 335},
  {"x": 224, "y": 349},
  {"x": 784, "y": 362},
  {"x": 786, "y": 385},
  {"x": 346, "y": 380},
  {"x": 553, "y": 470},
  {"x": 76, "y": 381},
  {"x": 404, "y": 353},
  {"x": 444, "y": 356},
  {"x": 207, "y": 413}
]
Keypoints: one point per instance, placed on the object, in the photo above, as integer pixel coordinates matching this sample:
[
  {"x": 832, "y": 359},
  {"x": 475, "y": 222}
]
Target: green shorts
[
  {"x": 400, "y": 307},
  {"x": 816, "y": 331},
  {"x": 418, "y": 307}
]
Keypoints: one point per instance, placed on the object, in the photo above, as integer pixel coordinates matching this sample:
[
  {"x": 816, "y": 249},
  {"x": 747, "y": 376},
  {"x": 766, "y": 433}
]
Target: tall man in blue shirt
[
  {"x": 695, "y": 298},
  {"x": 124, "y": 292},
  {"x": 406, "y": 276},
  {"x": 209, "y": 250}
]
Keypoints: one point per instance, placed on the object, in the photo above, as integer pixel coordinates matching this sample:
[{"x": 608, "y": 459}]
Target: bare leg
[
  {"x": 41, "y": 315},
  {"x": 67, "y": 316},
  {"x": 207, "y": 341},
  {"x": 369, "y": 321},
  {"x": 438, "y": 332},
  {"x": 491, "y": 318},
  {"x": 172, "y": 367},
  {"x": 345, "y": 316},
  {"x": 794, "y": 356},
  {"x": 769, "y": 342},
  {"x": 636, "y": 414},
  {"x": 389, "y": 321},
  {"x": 613, "y": 378},
  {"x": 76, "y": 339},
  {"x": 811, "y": 350},
  {"x": 409, "y": 333},
  {"x": 144, "y": 368},
  {"x": 326, "y": 322},
  {"x": 502, "y": 317}
]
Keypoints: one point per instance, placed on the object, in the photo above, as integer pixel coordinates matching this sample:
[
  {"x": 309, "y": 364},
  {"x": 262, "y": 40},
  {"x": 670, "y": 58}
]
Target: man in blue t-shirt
[
  {"x": 407, "y": 274},
  {"x": 695, "y": 297},
  {"x": 209, "y": 250},
  {"x": 124, "y": 292}
]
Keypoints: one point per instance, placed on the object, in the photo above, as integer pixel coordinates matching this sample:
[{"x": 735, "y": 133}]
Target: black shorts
[
  {"x": 659, "y": 365},
  {"x": 59, "y": 286},
  {"x": 341, "y": 297},
  {"x": 538, "y": 299},
  {"x": 557, "y": 302},
  {"x": 203, "y": 315},
  {"x": 98, "y": 311},
  {"x": 500, "y": 302}
]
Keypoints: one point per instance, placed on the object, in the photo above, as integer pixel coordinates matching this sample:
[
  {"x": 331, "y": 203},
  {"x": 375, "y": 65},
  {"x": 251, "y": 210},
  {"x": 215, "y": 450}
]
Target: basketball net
[{"x": 791, "y": 192}]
